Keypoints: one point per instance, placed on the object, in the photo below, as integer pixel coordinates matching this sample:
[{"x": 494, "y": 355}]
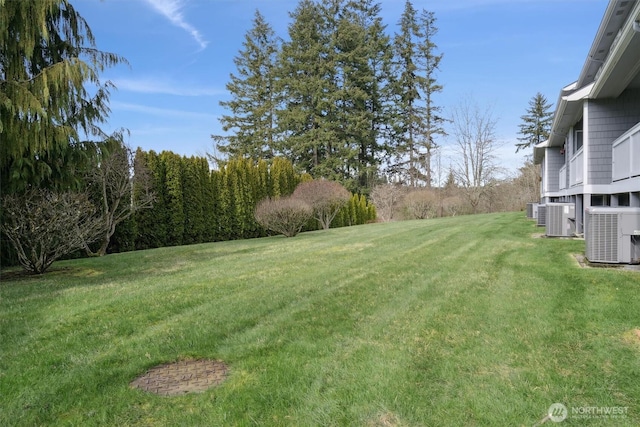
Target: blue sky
[{"x": 499, "y": 52}]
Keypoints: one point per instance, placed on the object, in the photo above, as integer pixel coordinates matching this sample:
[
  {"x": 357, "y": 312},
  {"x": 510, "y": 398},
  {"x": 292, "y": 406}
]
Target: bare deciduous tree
[
  {"x": 111, "y": 179},
  {"x": 475, "y": 166},
  {"x": 326, "y": 198},
  {"x": 43, "y": 226},
  {"x": 285, "y": 215}
]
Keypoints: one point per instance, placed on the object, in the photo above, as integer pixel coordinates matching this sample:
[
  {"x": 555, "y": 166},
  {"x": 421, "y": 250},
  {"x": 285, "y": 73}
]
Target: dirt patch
[
  {"x": 585, "y": 263},
  {"x": 385, "y": 420},
  {"x": 632, "y": 338},
  {"x": 178, "y": 378}
]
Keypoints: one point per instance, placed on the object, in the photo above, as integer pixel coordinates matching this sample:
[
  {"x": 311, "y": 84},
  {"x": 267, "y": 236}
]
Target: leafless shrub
[
  {"x": 453, "y": 205},
  {"x": 386, "y": 198},
  {"x": 325, "y": 198},
  {"x": 286, "y": 215},
  {"x": 43, "y": 226},
  {"x": 420, "y": 204}
]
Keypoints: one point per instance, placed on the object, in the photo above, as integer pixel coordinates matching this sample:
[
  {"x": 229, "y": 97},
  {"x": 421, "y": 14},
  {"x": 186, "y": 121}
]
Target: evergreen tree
[
  {"x": 210, "y": 204},
  {"x": 361, "y": 47},
  {"x": 193, "y": 201},
  {"x": 219, "y": 202},
  {"x": 174, "y": 200},
  {"x": 536, "y": 123},
  {"x": 307, "y": 80},
  {"x": 151, "y": 224},
  {"x": 48, "y": 57},
  {"x": 380, "y": 55},
  {"x": 417, "y": 118},
  {"x": 254, "y": 96},
  {"x": 430, "y": 64},
  {"x": 407, "y": 83}
]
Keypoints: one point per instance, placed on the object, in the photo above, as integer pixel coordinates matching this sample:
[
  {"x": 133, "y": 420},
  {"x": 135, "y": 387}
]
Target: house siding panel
[
  {"x": 555, "y": 161},
  {"x": 608, "y": 119}
]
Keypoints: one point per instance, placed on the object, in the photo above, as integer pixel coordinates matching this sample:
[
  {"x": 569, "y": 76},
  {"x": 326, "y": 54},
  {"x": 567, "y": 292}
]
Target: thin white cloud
[
  {"x": 162, "y": 112},
  {"x": 171, "y": 9},
  {"x": 152, "y": 85}
]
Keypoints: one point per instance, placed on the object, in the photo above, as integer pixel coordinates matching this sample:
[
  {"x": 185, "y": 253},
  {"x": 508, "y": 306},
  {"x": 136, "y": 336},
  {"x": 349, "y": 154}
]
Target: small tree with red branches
[{"x": 326, "y": 198}]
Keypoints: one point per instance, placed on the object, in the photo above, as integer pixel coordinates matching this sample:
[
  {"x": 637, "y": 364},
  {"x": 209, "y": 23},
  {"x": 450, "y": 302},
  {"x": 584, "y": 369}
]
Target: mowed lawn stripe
[{"x": 457, "y": 321}]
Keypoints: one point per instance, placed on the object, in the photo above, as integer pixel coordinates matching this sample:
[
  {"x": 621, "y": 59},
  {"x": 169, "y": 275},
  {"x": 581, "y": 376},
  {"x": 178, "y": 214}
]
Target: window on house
[
  {"x": 623, "y": 199},
  {"x": 578, "y": 140},
  {"x": 577, "y": 136},
  {"x": 600, "y": 200}
]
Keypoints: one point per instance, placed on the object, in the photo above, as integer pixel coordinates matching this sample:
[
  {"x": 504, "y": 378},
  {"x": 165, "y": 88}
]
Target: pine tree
[
  {"x": 48, "y": 57},
  {"x": 536, "y": 123},
  {"x": 254, "y": 97}
]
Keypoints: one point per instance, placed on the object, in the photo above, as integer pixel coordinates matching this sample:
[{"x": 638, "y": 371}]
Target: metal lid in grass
[{"x": 186, "y": 376}]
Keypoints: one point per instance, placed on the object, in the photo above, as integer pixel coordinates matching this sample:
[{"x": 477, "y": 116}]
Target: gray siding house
[{"x": 592, "y": 157}]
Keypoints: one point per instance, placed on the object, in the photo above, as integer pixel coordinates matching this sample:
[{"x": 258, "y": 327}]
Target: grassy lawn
[{"x": 465, "y": 321}]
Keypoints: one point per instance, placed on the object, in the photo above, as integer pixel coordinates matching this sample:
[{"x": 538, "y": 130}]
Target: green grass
[{"x": 459, "y": 321}]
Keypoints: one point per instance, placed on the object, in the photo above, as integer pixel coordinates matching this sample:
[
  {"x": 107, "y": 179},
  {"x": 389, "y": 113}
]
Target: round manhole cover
[{"x": 187, "y": 376}]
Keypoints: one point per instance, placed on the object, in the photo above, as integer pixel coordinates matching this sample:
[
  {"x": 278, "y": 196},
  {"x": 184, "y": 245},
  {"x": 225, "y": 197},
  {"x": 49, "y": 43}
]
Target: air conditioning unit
[
  {"x": 542, "y": 215},
  {"x": 532, "y": 210},
  {"x": 612, "y": 235},
  {"x": 561, "y": 219}
]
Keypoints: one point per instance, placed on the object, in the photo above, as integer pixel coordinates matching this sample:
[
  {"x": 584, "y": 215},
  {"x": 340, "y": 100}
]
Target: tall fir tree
[
  {"x": 429, "y": 64},
  {"x": 361, "y": 48},
  {"x": 536, "y": 123},
  {"x": 417, "y": 117},
  {"x": 307, "y": 79},
  {"x": 254, "y": 97},
  {"x": 407, "y": 81}
]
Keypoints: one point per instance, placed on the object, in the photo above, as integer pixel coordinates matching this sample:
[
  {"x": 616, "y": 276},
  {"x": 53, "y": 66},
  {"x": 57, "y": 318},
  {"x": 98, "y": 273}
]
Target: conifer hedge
[{"x": 194, "y": 204}]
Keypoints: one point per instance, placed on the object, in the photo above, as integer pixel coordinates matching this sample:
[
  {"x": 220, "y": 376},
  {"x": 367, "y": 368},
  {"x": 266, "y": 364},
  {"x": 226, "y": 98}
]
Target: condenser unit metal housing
[
  {"x": 561, "y": 219},
  {"x": 532, "y": 210},
  {"x": 542, "y": 215},
  {"x": 612, "y": 235}
]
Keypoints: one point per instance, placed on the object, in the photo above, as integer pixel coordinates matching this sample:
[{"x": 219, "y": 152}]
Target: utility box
[
  {"x": 561, "y": 219},
  {"x": 612, "y": 235}
]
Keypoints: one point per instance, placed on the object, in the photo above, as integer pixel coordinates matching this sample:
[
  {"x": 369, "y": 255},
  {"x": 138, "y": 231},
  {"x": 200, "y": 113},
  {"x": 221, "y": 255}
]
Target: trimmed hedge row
[{"x": 195, "y": 204}]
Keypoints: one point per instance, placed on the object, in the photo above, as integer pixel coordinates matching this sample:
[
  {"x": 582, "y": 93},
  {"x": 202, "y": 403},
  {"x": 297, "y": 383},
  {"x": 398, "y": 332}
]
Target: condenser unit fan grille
[
  {"x": 542, "y": 217},
  {"x": 602, "y": 244}
]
